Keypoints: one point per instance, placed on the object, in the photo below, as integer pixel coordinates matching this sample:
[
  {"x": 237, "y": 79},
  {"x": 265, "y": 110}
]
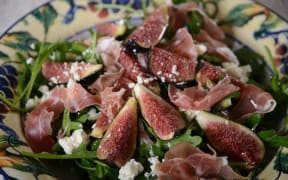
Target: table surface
[{"x": 12, "y": 10}]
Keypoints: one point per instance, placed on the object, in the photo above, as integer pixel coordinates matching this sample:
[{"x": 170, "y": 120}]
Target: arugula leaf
[
  {"x": 272, "y": 138},
  {"x": 68, "y": 125},
  {"x": 211, "y": 59},
  {"x": 196, "y": 22},
  {"x": 186, "y": 137},
  {"x": 46, "y": 155}
]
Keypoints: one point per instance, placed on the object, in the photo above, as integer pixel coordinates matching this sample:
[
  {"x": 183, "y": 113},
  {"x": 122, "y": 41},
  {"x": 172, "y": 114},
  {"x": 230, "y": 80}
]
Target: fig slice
[
  {"x": 163, "y": 118},
  {"x": 233, "y": 139},
  {"x": 119, "y": 142},
  {"x": 170, "y": 67},
  {"x": 62, "y": 72},
  {"x": 152, "y": 30},
  {"x": 137, "y": 73}
]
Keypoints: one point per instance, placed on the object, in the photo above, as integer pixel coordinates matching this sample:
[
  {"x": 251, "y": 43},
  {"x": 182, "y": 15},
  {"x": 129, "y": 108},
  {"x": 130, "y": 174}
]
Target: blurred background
[{"x": 12, "y": 10}]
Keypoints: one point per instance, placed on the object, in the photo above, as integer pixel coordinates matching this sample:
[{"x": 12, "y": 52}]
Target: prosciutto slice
[
  {"x": 178, "y": 18},
  {"x": 111, "y": 103},
  {"x": 194, "y": 98},
  {"x": 107, "y": 79},
  {"x": 182, "y": 44},
  {"x": 185, "y": 161},
  {"x": 216, "y": 47},
  {"x": 253, "y": 100},
  {"x": 109, "y": 50},
  {"x": 38, "y": 123}
]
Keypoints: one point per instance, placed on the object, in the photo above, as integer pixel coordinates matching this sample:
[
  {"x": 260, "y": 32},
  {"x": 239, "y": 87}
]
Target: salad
[{"x": 168, "y": 99}]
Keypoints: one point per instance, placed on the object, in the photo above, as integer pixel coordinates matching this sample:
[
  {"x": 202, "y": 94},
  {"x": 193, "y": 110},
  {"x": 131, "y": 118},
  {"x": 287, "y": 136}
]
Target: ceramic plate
[{"x": 245, "y": 23}]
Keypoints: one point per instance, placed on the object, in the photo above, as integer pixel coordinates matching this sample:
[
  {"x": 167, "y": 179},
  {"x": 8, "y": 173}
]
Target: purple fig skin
[
  {"x": 119, "y": 142},
  {"x": 170, "y": 67},
  {"x": 151, "y": 32},
  {"x": 163, "y": 118},
  {"x": 233, "y": 139}
]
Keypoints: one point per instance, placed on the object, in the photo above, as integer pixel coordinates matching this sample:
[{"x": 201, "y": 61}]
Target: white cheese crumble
[
  {"x": 131, "y": 85},
  {"x": 142, "y": 80},
  {"x": 228, "y": 53},
  {"x": 92, "y": 115},
  {"x": 201, "y": 48},
  {"x": 29, "y": 60},
  {"x": 240, "y": 72},
  {"x": 174, "y": 70},
  {"x": 74, "y": 71},
  {"x": 153, "y": 163},
  {"x": 74, "y": 141},
  {"x": 130, "y": 170},
  {"x": 33, "y": 102}
]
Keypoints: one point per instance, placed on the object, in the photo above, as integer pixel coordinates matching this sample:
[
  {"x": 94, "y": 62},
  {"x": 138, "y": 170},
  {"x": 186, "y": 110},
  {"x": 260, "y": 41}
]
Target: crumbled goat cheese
[
  {"x": 29, "y": 60},
  {"x": 45, "y": 92},
  {"x": 228, "y": 53},
  {"x": 130, "y": 170},
  {"x": 74, "y": 71},
  {"x": 131, "y": 85},
  {"x": 153, "y": 163},
  {"x": 240, "y": 72},
  {"x": 32, "y": 46},
  {"x": 201, "y": 48},
  {"x": 54, "y": 79},
  {"x": 174, "y": 70},
  {"x": 140, "y": 79},
  {"x": 74, "y": 141},
  {"x": 32, "y": 103},
  {"x": 92, "y": 115}
]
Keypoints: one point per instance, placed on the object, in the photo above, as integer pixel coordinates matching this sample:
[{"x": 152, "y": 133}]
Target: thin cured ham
[
  {"x": 75, "y": 97},
  {"x": 194, "y": 98},
  {"x": 109, "y": 50},
  {"x": 107, "y": 79},
  {"x": 182, "y": 44},
  {"x": 185, "y": 161},
  {"x": 253, "y": 100},
  {"x": 111, "y": 103},
  {"x": 179, "y": 18},
  {"x": 216, "y": 47},
  {"x": 38, "y": 123}
]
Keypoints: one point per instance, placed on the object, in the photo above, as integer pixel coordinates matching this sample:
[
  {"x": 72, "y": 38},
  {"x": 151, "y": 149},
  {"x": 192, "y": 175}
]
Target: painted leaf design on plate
[
  {"x": 243, "y": 13},
  {"x": 281, "y": 162},
  {"x": 16, "y": 161},
  {"x": 70, "y": 14},
  {"x": 3, "y": 56},
  {"x": 19, "y": 40},
  {"x": 46, "y": 15}
]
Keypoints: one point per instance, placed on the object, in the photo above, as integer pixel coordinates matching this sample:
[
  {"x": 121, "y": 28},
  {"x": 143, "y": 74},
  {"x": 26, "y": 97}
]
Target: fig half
[
  {"x": 152, "y": 30},
  {"x": 119, "y": 142},
  {"x": 233, "y": 139},
  {"x": 163, "y": 118}
]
